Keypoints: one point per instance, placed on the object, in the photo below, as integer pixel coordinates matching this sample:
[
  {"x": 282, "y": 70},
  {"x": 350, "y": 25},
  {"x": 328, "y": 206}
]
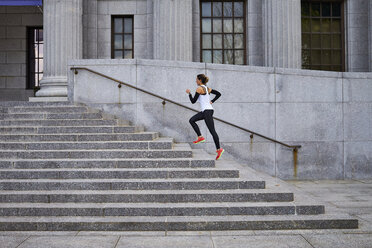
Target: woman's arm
[
  {"x": 197, "y": 94},
  {"x": 195, "y": 98},
  {"x": 217, "y": 93}
]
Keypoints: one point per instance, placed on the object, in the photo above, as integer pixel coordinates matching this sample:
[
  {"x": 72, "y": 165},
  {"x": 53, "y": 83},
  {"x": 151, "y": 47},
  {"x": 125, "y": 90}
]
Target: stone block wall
[
  {"x": 13, "y": 33},
  {"x": 97, "y": 26},
  {"x": 357, "y": 107},
  {"x": 328, "y": 113}
]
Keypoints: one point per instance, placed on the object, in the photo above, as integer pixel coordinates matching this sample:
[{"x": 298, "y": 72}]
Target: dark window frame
[
  {"x": 30, "y": 61},
  {"x": 342, "y": 33},
  {"x": 244, "y": 49},
  {"x": 123, "y": 33}
]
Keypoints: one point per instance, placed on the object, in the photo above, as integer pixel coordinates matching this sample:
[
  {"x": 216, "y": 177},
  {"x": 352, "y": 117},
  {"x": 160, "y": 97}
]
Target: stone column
[
  {"x": 173, "y": 30},
  {"x": 282, "y": 33},
  {"x": 90, "y": 29},
  {"x": 150, "y": 29},
  {"x": 370, "y": 36},
  {"x": 356, "y": 23},
  {"x": 62, "y": 41},
  {"x": 196, "y": 30},
  {"x": 254, "y": 31}
]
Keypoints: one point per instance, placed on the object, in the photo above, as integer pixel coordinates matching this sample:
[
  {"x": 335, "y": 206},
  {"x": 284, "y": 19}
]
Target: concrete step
[
  {"x": 108, "y": 163},
  {"x": 48, "y": 109},
  {"x": 142, "y": 136},
  {"x": 108, "y": 153},
  {"x": 8, "y": 104},
  {"x": 68, "y": 129},
  {"x": 46, "y": 116},
  {"x": 156, "y": 209},
  {"x": 117, "y": 173},
  {"x": 72, "y": 168},
  {"x": 129, "y": 184},
  {"x": 72, "y": 116},
  {"x": 134, "y": 196},
  {"x": 177, "y": 151},
  {"x": 49, "y": 99},
  {"x": 57, "y": 123},
  {"x": 177, "y": 223},
  {"x": 163, "y": 143}
]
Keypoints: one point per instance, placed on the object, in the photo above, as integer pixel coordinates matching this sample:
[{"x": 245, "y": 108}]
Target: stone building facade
[
  {"x": 266, "y": 33},
  {"x": 327, "y": 112}
]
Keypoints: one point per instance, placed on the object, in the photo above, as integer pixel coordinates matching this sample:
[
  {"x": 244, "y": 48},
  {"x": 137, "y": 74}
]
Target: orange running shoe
[
  {"x": 219, "y": 153},
  {"x": 199, "y": 140}
]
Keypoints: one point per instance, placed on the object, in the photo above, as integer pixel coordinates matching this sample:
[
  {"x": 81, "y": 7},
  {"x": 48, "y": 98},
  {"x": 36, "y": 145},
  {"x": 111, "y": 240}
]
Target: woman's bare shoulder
[{"x": 200, "y": 90}]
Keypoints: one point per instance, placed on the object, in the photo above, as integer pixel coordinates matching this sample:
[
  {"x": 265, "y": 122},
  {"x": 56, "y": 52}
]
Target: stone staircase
[{"x": 65, "y": 167}]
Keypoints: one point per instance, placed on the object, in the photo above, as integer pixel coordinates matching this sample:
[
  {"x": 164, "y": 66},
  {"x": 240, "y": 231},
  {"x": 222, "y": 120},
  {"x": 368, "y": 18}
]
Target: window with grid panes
[
  {"x": 122, "y": 37},
  {"x": 223, "y": 31},
  {"x": 35, "y": 62},
  {"x": 322, "y": 35}
]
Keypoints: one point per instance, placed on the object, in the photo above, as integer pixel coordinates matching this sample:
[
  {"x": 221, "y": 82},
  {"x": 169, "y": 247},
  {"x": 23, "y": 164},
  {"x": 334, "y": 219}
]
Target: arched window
[{"x": 223, "y": 32}]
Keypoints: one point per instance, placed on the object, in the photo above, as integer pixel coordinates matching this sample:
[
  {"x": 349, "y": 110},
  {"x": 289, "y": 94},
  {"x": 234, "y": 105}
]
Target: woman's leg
[
  {"x": 199, "y": 116},
  {"x": 208, "y": 118}
]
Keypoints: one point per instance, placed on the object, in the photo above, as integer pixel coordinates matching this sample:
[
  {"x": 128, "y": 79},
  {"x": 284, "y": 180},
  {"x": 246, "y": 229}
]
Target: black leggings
[{"x": 207, "y": 115}]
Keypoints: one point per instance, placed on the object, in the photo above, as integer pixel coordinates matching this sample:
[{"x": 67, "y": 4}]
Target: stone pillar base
[{"x": 52, "y": 87}]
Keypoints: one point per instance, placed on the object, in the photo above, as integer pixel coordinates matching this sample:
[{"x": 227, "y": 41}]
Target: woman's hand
[
  {"x": 188, "y": 91},
  {"x": 211, "y": 102}
]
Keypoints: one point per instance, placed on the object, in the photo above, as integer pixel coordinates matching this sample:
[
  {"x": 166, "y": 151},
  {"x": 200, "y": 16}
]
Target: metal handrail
[{"x": 294, "y": 147}]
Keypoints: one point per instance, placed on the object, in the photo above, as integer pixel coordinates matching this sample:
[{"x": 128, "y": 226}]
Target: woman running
[{"x": 202, "y": 95}]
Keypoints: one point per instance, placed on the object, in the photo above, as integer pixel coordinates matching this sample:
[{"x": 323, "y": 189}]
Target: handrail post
[{"x": 295, "y": 162}]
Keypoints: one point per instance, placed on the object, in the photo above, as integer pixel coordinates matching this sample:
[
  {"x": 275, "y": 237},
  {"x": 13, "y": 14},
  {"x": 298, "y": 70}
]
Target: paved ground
[{"x": 354, "y": 197}]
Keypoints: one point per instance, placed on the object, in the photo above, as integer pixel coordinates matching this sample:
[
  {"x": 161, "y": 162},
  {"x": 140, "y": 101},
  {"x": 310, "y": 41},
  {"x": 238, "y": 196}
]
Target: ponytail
[{"x": 204, "y": 79}]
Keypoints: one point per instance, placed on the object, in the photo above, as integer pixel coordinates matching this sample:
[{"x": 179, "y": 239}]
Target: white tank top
[{"x": 204, "y": 100}]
